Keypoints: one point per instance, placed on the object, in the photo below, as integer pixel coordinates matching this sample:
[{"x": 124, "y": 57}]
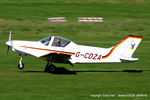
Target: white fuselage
[{"x": 79, "y": 53}]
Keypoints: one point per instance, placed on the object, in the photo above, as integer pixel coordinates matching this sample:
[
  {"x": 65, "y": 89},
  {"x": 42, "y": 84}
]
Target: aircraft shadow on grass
[{"x": 62, "y": 70}]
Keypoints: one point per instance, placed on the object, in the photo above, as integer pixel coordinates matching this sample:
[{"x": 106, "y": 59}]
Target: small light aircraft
[{"x": 60, "y": 50}]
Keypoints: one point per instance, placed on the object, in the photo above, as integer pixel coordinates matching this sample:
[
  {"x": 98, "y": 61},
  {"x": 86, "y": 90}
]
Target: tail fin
[{"x": 125, "y": 49}]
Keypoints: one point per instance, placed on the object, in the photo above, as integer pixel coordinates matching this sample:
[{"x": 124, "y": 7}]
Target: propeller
[
  {"x": 8, "y": 49},
  {"x": 9, "y": 42},
  {"x": 10, "y": 35}
]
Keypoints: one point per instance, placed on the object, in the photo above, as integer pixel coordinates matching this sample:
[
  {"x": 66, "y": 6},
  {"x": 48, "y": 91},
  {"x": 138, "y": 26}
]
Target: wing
[{"x": 57, "y": 58}]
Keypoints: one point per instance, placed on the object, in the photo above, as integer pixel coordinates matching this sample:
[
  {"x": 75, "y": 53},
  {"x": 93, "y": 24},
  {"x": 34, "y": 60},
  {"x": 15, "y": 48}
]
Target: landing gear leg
[
  {"x": 50, "y": 68},
  {"x": 20, "y": 65}
]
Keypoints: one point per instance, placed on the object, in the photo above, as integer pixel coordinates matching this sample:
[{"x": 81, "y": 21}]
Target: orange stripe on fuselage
[
  {"x": 112, "y": 50},
  {"x": 70, "y": 53}
]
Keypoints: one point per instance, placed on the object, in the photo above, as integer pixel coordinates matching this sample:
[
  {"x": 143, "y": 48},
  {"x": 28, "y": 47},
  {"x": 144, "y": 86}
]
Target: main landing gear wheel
[
  {"x": 20, "y": 65},
  {"x": 50, "y": 68}
]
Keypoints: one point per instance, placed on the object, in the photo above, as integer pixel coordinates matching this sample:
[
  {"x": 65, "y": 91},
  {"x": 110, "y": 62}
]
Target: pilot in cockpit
[{"x": 58, "y": 42}]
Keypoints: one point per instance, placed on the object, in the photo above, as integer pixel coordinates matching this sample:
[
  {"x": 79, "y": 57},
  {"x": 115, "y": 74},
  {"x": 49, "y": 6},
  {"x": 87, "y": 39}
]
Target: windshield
[
  {"x": 46, "y": 40},
  {"x": 60, "y": 42}
]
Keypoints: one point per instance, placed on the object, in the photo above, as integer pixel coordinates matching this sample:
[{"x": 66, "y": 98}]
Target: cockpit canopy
[
  {"x": 55, "y": 41},
  {"x": 46, "y": 40}
]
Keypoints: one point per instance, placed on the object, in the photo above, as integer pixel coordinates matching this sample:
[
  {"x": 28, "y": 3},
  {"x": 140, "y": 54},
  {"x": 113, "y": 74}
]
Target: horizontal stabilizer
[{"x": 125, "y": 59}]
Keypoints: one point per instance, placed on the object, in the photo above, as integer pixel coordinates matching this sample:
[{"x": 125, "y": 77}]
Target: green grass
[{"x": 121, "y": 18}]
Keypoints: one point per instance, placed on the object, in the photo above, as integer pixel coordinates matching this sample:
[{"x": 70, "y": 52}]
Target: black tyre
[
  {"x": 50, "y": 69},
  {"x": 21, "y": 66}
]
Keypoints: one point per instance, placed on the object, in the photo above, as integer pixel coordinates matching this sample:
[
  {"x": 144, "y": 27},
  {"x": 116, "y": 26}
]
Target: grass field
[{"x": 83, "y": 81}]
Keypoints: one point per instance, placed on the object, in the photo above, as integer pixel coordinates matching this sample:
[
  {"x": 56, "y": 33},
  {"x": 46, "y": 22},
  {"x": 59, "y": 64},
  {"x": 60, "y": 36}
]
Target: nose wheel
[
  {"x": 20, "y": 65},
  {"x": 50, "y": 68}
]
